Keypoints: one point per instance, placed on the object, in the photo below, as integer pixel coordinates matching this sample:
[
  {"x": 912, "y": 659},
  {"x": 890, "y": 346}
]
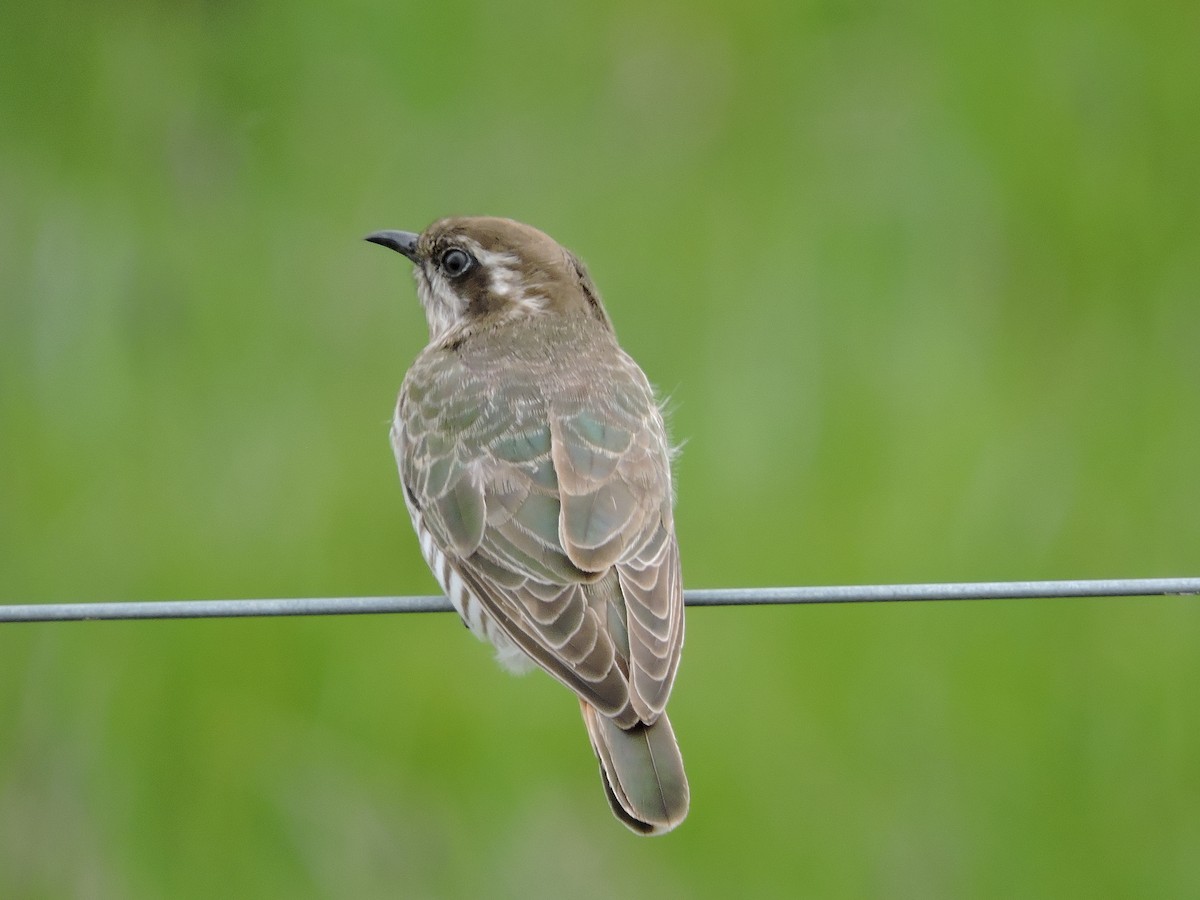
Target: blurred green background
[{"x": 922, "y": 282}]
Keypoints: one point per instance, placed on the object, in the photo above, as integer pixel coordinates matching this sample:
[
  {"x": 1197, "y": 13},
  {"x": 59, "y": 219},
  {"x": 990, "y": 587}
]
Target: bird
[{"x": 536, "y": 469}]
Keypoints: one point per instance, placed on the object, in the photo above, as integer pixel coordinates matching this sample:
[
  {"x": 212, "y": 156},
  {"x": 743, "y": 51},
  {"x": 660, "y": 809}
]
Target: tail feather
[{"x": 642, "y": 770}]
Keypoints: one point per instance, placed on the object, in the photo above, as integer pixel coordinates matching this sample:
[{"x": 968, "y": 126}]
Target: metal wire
[{"x": 875, "y": 593}]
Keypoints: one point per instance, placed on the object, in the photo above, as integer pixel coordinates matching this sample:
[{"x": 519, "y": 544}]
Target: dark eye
[{"x": 455, "y": 262}]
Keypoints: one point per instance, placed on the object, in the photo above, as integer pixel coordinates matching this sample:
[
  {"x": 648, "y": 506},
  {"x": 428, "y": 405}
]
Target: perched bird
[{"x": 536, "y": 470}]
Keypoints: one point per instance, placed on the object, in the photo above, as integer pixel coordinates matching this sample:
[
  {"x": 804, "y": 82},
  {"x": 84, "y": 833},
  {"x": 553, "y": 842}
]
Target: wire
[{"x": 875, "y": 593}]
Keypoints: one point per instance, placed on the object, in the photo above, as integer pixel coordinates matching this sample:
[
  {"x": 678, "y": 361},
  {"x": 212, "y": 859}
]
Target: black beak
[{"x": 401, "y": 241}]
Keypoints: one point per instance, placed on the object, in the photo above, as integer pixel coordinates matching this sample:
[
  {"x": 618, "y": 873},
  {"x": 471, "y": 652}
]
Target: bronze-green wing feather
[{"x": 550, "y": 492}]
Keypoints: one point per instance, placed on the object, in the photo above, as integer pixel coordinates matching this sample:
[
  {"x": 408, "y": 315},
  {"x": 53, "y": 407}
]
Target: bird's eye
[{"x": 456, "y": 262}]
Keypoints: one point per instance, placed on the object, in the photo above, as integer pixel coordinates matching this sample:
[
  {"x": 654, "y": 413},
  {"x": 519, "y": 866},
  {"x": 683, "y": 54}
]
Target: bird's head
[{"x": 474, "y": 271}]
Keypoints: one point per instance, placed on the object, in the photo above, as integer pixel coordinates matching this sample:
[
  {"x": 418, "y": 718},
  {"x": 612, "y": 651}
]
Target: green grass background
[{"x": 922, "y": 282}]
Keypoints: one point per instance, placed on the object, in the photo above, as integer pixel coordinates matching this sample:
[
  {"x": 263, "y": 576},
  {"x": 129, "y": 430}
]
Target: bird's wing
[
  {"x": 613, "y": 469},
  {"x": 556, "y": 513}
]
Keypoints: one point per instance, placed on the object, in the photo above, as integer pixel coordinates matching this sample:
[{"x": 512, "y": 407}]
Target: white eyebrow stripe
[
  {"x": 505, "y": 280},
  {"x": 491, "y": 258}
]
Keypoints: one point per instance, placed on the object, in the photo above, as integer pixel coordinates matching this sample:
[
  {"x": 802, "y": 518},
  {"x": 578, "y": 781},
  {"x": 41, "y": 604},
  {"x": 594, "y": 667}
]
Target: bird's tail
[{"x": 642, "y": 770}]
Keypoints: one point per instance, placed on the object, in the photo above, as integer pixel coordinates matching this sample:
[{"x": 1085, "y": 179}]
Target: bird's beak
[{"x": 401, "y": 241}]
